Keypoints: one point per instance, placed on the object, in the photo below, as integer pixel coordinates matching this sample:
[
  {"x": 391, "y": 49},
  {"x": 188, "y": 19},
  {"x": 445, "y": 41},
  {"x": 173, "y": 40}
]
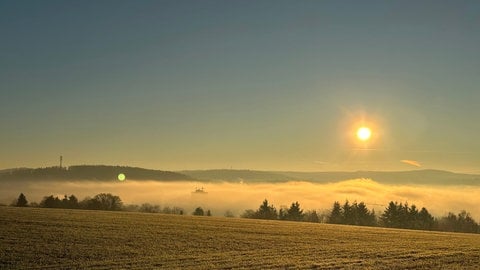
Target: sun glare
[{"x": 364, "y": 133}]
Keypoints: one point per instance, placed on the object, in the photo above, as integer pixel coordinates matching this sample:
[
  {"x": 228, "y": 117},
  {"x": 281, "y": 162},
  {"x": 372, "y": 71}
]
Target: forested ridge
[{"x": 90, "y": 172}]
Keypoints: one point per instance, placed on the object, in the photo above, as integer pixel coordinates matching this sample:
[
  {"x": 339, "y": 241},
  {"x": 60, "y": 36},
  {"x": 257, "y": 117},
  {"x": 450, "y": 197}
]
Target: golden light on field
[{"x": 364, "y": 133}]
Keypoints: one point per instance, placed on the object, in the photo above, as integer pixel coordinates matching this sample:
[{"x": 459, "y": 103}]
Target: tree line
[
  {"x": 395, "y": 215},
  {"x": 101, "y": 201},
  {"x": 106, "y": 202}
]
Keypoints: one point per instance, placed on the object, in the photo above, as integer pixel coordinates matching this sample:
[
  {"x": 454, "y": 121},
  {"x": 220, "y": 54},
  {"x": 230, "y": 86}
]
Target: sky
[{"x": 267, "y": 85}]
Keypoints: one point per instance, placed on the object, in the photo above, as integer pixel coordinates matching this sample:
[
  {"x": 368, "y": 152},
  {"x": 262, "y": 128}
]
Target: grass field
[{"x": 54, "y": 239}]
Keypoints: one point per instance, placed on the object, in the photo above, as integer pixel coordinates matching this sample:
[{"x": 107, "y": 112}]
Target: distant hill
[
  {"x": 239, "y": 175},
  {"x": 421, "y": 177},
  {"x": 105, "y": 173},
  {"x": 90, "y": 172}
]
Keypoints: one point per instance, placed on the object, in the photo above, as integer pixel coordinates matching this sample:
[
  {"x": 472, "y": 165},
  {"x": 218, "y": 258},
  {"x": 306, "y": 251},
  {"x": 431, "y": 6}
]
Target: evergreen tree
[
  {"x": 413, "y": 218},
  {"x": 294, "y": 213},
  {"x": 21, "y": 201},
  {"x": 348, "y": 213},
  {"x": 391, "y": 215},
  {"x": 266, "y": 211},
  {"x": 336, "y": 214},
  {"x": 425, "y": 220},
  {"x": 363, "y": 216},
  {"x": 398, "y": 215}
]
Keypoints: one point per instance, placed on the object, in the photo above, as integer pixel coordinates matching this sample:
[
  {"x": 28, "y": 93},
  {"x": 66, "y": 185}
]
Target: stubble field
[{"x": 34, "y": 238}]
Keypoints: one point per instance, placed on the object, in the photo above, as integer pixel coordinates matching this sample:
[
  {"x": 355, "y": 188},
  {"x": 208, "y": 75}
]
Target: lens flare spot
[{"x": 121, "y": 177}]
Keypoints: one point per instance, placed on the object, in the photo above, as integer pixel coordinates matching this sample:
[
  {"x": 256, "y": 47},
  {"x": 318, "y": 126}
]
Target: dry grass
[{"x": 53, "y": 238}]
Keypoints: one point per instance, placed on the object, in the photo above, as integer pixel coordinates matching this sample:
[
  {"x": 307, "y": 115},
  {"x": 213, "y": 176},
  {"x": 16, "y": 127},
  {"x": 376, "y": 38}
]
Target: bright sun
[{"x": 364, "y": 133}]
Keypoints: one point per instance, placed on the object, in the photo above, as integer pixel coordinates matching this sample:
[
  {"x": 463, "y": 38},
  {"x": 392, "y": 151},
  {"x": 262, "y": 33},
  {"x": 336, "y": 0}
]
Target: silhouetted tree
[
  {"x": 352, "y": 214},
  {"x": 363, "y": 216},
  {"x": 462, "y": 222},
  {"x": 72, "y": 202},
  {"x": 448, "y": 223},
  {"x": 104, "y": 201},
  {"x": 466, "y": 223},
  {"x": 391, "y": 217},
  {"x": 209, "y": 213},
  {"x": 21, "y": 201},
  {"x": 65, "y": 202},
  {"x": 311, "y": 216},
  {"x": 398, "y": 215},
  {"x": 266, "y": 211},
  {"x": 348, "y": 214},
  {"x": 425, "y": 220},
  {"x": 336, "y": 214},
  {"x": 294, "y": 213},
  {"x": 198, "y": 212},
  {"x": 51, "y": 202}
]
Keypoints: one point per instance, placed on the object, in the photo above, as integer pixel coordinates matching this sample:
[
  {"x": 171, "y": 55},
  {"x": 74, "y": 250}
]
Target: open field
[{"x": 55, "y": 238}]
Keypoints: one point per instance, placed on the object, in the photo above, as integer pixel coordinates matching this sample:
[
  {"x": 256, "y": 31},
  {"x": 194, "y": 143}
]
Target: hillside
[
  {"x": 248, "y": 176},
  {"x": 421, "y": 177},
  {"x": 61, "y": 239},
  {"x": 104, "y": 172},
  {"x": 90, "y": 172}
]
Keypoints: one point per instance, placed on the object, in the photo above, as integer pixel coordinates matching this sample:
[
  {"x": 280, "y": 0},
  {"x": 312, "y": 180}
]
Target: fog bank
[{"x": 237, "y": 197}]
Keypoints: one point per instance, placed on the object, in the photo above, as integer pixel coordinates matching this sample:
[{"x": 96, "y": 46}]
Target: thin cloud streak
[{"x": 411, "y": 162}]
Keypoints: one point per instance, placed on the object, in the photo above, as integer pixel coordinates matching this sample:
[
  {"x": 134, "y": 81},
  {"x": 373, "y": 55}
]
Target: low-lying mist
[{"x": 237, "y": 197}]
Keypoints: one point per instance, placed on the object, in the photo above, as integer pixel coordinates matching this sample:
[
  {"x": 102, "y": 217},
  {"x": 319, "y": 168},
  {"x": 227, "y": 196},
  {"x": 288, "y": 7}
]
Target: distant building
[{"x": 199, "y": 191}]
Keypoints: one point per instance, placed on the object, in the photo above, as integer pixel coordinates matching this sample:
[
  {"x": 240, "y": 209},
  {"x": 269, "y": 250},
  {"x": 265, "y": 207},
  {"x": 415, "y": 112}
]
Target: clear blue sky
[{"x": 240, "y": 84}]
